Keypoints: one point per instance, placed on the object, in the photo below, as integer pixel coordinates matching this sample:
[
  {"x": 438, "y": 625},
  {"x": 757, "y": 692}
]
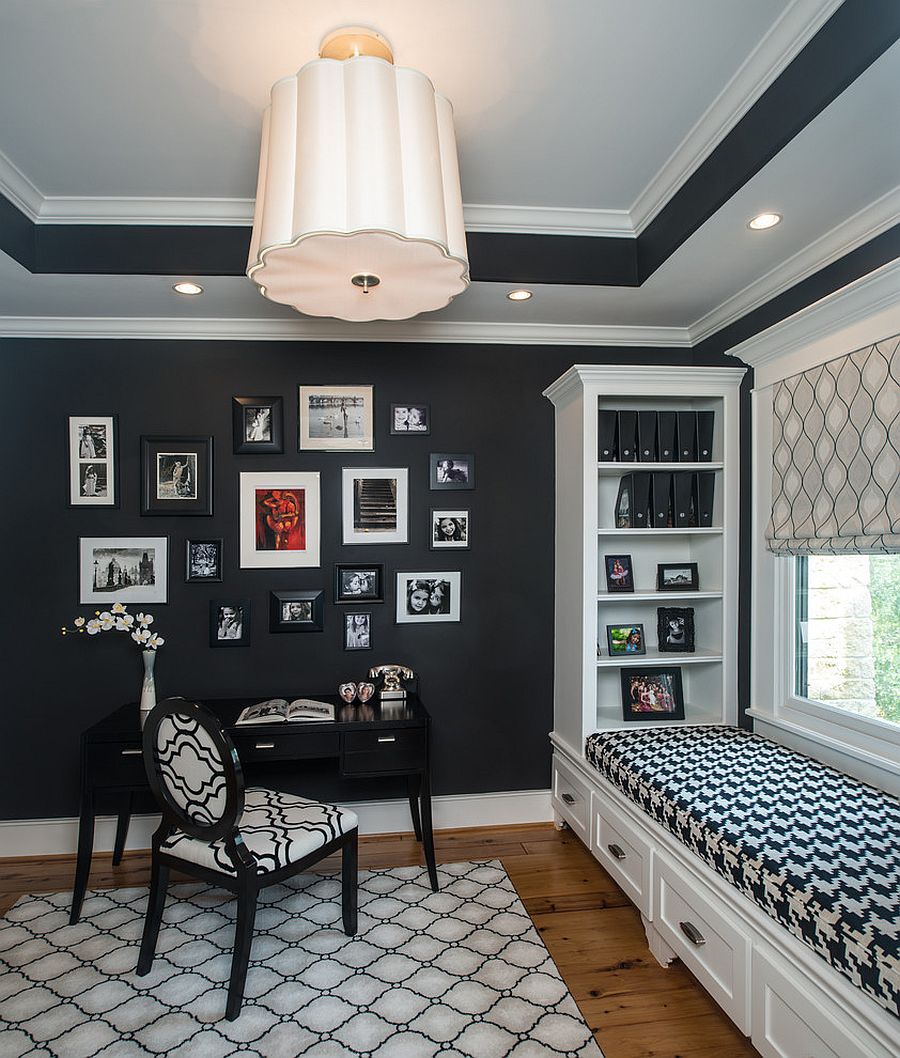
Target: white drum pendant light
[{"x": 358, "y": 205}]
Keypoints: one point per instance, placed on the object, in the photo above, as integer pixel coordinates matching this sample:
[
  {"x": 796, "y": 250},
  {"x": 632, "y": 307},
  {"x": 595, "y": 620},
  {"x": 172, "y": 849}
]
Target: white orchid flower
[
  {"x": 78, "y": 622},
  {"x": 118, "y": 607},
  {"x": 93, "y": 626},
  {"x": 107, "y": 621},
  {"x": 155, "y": 641},
  {"x": 123, "y": 624},
  {"x": 140, "y": 636},
  {"x": 145, "y": 619}
]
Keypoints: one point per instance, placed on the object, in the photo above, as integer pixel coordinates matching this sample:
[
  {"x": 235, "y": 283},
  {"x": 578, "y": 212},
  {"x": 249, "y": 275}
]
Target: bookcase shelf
[
  {"x": 616, "y": 469},
  {"x": 644, "y": 531},
  {"x": 656, "y": 657},
  {"x": 655, "y": 596}
]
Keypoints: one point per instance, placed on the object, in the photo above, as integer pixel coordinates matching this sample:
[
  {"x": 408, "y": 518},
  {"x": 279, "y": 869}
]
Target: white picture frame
[
  {"x": 372, "y": 524},
  {"x": 115, "y": 569},
  {"x": 272, "y": 540},
  {"x": 336, "y": 419},
  {"x": 93, "y": 461},
  {"x": 412, "y": 585},
  {"x": 449, "y": 528}
]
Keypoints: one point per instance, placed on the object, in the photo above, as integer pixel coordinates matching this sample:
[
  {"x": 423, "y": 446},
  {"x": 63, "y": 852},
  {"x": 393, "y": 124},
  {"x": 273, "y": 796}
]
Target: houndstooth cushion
[
  {"x": 277, "y": 828},
  {"x": 815, "y": 849}
]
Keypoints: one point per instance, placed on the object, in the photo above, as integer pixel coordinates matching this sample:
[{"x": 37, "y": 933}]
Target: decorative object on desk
[
  {"x": 391, "y": 677},
  {"x": 677, "y": 576},
  {"x": 675, "y": 628},
  {"x": 652, "y": 694},
  {"x": 619, "y": 576},
  {"x": 410, "y": 418},
  {"x": 203, "y": 561},
  {"x": 449, "y": 529},
  {"x": 359, "y": 581},
  {"x": 229, "y": 622},
  {"x": 93, "y": 461},
  {"x": 336, "y": 419},
  {"x": 357, "y": 631},
  {"x": 133, "y": 569},
  {"x": 375, "y": 505},
  {"x": 176, "y": 475},
  {"x": 452, "y": 470},
  {"x": 364, "y": 691},
  {"x": 296, "y": 611},
  {"x": 281, "y": 711},
  {"x": 279, "y": 520},
  {"x": 257, "y": 425},
  {"x": 426, "y": 598},
  {"x": 148, "y": 687},
  {"x": 625, "y": 640},
  {"x": 347, "y": 691}
]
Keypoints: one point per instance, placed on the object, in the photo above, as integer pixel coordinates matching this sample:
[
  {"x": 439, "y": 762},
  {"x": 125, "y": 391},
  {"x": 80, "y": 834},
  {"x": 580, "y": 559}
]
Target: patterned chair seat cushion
[
  {"x": 817, "y": 850},
  {"x": 277, "y": 828}
]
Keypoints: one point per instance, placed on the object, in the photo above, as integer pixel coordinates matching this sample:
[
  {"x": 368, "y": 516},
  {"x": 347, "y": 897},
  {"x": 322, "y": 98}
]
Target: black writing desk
[{"x": 376, "y": 739}]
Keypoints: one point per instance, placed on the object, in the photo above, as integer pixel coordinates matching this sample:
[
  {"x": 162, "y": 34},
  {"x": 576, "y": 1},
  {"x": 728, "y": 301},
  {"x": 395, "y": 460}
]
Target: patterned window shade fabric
[{"x": 836, "y": 458}]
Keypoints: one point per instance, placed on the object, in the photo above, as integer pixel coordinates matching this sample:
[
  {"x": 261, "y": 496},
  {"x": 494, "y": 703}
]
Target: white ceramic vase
[{"x": 148, "y": 689}]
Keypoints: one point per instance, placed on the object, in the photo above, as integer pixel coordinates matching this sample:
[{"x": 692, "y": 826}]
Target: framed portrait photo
[
  {"x": 359, "y": 582},
  {"x": 93, "y": 461},
  {"x": 257, "y": 425},
  {"x": 619, "y": 575},
  {"x": 652, "y": 694},
  {"x": 357, "y": 631},
  {"x": 451, "y": 470},
  {"x": 625, "y": 640},
  {"x": 131, "y": 569},
  {"x": 229, "y": 622},
  {"x": 203, "y": 561},
  {"x": 296, "y": 611},
  {"x": 410, "y": 419},
  {"x": 677, "y": 576},
  {"x": 279, "y": 520},
  {"x": 449, "y": 529},
  {"x": 375, "y": 505},
  {"x": 336, "y": 419},
  {"x": 176, "y": 475},
  {"x": 675, "y": 628},
  {"x": 427, "y": 598}
]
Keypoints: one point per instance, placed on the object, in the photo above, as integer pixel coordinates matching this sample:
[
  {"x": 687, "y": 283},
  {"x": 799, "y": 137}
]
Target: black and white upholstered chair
[{"x": 214, "y": 829}]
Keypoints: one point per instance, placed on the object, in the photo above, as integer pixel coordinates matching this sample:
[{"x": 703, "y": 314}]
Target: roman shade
[{"x": 836, "y": 456}]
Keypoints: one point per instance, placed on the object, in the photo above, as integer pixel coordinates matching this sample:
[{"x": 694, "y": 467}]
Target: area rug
[{"x": 460, "y": 973}]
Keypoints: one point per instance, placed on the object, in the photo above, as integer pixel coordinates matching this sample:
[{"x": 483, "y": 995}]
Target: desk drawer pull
[
  {"x": 568, "y": 798},
  {"x": 387, "y": 738},
  {"x": 132, "y": 752},
  {"x": 264, "y": 745},
  {"x": 616, "y": 851},
  {"x": 692, "y": 933}
]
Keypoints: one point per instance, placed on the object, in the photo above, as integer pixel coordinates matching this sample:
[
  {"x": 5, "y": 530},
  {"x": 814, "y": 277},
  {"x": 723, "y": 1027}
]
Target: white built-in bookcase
[{"x": 587, "y": 685}]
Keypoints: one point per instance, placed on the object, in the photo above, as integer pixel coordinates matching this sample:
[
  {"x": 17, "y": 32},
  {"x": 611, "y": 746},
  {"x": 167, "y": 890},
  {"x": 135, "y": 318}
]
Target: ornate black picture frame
[
  {"x": 675, "y": 629},
  {"x": 257, "y": 425}
]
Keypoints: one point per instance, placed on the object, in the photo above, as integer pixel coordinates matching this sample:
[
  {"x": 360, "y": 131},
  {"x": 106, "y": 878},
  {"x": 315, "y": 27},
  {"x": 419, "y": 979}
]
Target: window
[{"x": 847, "y": 634}]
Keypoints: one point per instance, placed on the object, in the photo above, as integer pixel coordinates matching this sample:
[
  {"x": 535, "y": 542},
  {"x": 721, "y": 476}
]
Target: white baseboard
[{"x": 55, "y": 837}]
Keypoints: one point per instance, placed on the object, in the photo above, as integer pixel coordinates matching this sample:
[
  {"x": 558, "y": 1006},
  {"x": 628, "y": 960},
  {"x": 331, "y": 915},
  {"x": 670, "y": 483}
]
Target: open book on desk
[{"x": 279, "y": 710}]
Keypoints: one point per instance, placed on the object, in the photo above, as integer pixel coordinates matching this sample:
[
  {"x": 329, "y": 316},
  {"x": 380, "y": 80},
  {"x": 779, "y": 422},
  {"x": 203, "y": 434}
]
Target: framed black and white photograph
[
  {"x": 451, "y": 470},
  {"x": 130, "y": 569},
  {"x": 359, "y": 582},
  {"x": 279, "y": 519},
  {"x": 652, "y": 694},
  {"x": 410, "y": 419},
  {"x": 229, "y": 622},
  {"x": 93, "y": 461},
  {"x": 625, "y": 640},
  {"x": 257, "y": 425},
  {"x": 619, "y": 575},
  {"x": 675, "y": 628},
  {"x": 677, "y": 576},
  {"x": 357, "y": 631},
  {"x": 203, "y": 561},
  {"x": 426, "y": 598},
  {"x": 177, "y": 475},
  {"x": 336, "y": 419},
  {"x": 296, "y": 611},
  {"x": 375, "y": 505},
  {"x": 449, "y": 529}
]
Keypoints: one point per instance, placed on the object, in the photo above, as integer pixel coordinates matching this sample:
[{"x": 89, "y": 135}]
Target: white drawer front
[
  {"x": 708, "y": 943},
  {"x": 572, "y": 799},
  {"x": 623, "y": 853}
]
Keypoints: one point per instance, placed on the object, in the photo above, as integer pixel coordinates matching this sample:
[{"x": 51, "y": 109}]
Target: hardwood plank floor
[{"x": 634, "y": 1007}]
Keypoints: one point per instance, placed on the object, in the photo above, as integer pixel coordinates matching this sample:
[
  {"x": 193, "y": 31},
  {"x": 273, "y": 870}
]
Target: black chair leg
[
  {"x": 122, "y": 828},
  {"x": 159, "y": 880},
  {"x": 243, "y": 938},
  {"x": 350, "y": 883}
]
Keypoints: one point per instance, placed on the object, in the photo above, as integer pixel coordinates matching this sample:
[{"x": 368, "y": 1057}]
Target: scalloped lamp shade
[{"x": 358, "y": 176}]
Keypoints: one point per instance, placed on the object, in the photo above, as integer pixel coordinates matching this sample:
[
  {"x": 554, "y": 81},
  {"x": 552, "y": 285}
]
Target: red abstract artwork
[{"x": 280, "y": 519}]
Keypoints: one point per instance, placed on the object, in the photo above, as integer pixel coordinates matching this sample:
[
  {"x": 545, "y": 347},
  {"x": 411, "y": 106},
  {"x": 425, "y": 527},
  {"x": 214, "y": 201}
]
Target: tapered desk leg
[
  {"x": 85, "y": 850},
  {"x": 413, "y": 785},
  {"x": 427, "y": 833},
  {"x": 122, "y": 827}
]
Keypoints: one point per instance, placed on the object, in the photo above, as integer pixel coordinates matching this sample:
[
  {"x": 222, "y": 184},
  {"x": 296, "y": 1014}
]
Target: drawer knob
[
  {"x": 616, "y": 851},
  {"x": 132, "y": 752},
  {"x": 568, "y": 798},
  {"x": 264, "y": 745},
  {"x": 387, "y": 738},
  {"x": 692, "y": 933}
]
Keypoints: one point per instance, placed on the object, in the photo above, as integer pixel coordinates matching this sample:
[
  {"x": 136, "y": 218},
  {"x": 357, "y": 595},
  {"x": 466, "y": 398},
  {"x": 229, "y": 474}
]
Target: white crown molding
[
  {"x": 205, "y": 212},
  {"x": 546, "y": 220},
  {"x": 16, "y": 186},
  {"x": 846, "y": 237},
  {"x": 800, "y": 21}
]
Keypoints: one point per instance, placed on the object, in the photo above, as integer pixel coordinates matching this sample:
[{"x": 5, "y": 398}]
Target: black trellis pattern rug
[{"x": 460, "y": 973}]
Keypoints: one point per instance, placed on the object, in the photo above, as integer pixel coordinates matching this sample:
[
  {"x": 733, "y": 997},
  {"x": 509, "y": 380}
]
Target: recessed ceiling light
[
  {"x": 187, "y": 288},
  {"x": 764, "y": 220},
  {"x": 519, "y": 295}
]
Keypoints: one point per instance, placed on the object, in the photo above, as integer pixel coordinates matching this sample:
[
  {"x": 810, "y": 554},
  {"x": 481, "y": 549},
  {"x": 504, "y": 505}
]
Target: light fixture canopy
[
  {"x": 185, "y": 287},
  {"x": 762, "y": 221},
  {"x": 358, "y": 177}
]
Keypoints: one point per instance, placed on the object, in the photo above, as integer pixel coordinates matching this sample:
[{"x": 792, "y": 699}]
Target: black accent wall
[{"x": 487, "y": 680}]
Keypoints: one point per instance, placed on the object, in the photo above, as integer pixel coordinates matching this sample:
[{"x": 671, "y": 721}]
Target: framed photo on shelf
[
  {"x": 675, "y": 628},
  {"x": 93, "y": 461},
  {"x": 336, "y": 419},
  {"x": 427, "y": 598},
  {"x": 451, "y": 470},
  {"x": 176, "y": 475},
  {"x": 677, "y": 576},
  {"x": 357, "y": 631},
  {"x": 279, "y": 520},
  {"x": 257, "y": 425},
  {"x": 449, "y": 529},
  {"x": 203, "y": 561},
  {"x": 375, "y": 505},
  {"x": 132, "y": 569},
  {"x": 619, "y": 575},
  {"x": 359, "y": 582},
  {"x": 652, "y": 694},
  {"x": 229, "y": 622},
  {"x": 296, "y": 611},
  {"x": 625, "y": 640},
  {"x": 410, "y": 419}
]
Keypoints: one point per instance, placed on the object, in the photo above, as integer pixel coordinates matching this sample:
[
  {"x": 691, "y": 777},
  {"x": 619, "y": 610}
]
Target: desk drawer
[
  {"x": 284, "y": 745},
  {"x": 381, "y": 752},
  {"x": 116, "y": 764}
]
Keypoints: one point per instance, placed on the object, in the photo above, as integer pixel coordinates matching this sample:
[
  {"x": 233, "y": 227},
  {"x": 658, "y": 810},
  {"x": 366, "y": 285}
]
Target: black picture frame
[
  {"x": 667, "y": 635},
  {"x": 356, "y": 638},
  {"x": 459, "y": 479},
  {"x": 423, "y": 412},
  {"x": 188, "y": 490},
  {"x": 216, "y": 636},
  {"x": 193, "y": 559},
  {"x": 371, "y": 593},
  {"x": 632, "y": 651},
  {"x": 661, "y": 681},
  {"x": 614, "y": 582},
  {"x": 309, "y": 606},
  {"x": 669, "y": 581},
  {"x": 242, "y": 408}
]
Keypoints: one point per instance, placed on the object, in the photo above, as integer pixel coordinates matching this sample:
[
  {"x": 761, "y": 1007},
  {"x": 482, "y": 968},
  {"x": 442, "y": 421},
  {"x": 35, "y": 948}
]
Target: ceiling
[{"x": 580, "y": 119}]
